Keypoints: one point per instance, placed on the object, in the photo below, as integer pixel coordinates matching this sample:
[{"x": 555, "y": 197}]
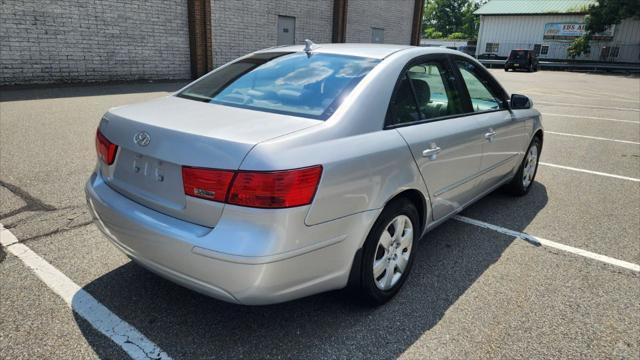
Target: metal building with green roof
[{"x": 548, "y": 27}]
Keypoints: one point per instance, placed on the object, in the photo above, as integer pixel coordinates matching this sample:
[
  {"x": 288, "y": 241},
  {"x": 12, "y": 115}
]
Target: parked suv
[{"x": 522, "y": 59}]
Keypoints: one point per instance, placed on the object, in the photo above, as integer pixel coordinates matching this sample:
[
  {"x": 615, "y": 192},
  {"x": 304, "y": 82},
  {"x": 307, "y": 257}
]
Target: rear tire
[
  {"x": 523, "y": 179},
  {"x": 388, "y": 253}
]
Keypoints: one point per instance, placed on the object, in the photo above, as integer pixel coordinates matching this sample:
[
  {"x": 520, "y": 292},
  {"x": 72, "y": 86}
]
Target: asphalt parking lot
[{"x": 474, "y": 292}]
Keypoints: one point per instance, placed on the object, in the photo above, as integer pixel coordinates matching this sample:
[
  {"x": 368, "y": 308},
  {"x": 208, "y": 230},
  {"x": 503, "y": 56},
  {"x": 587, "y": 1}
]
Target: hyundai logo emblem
[{"x": 142, "y": 138}]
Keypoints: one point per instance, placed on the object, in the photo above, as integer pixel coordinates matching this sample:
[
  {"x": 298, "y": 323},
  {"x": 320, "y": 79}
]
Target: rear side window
[
  {"x": 518, "y": 55},
  {"x": 482, "y": 97},
  {"x": 403, "y": 107},
  {"x": 424, "y": 93},
  {"x": 297, "y": 84},
  {"x": 434, "y": 95}
]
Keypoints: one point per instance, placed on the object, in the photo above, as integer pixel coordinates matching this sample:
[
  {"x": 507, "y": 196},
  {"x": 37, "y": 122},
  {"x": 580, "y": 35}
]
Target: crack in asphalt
[
  {"x": 40, "y": 209},
  {"x": 57, "y": 231},
  {"x": 31, "y": 203}
]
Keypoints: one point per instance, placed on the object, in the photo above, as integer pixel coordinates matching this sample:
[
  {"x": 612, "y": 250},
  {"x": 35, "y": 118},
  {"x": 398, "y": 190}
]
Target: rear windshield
[
  {"x": 518, "y": 55},
  {"x": 297, "y": 84}
]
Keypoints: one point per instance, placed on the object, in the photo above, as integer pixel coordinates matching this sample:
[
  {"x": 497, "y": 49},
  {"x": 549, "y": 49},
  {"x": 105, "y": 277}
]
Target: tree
[
  {"x": 471, "y": 21},
  {"x": 444, "y": 16},
  {"x": 451, "y": 16},
  {"x": 601, "y": 15},
  {"x": 610, "y": 12},
  {"x": 579, "y": 46}
]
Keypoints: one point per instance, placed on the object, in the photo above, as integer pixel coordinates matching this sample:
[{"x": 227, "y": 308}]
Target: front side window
[
  {"x": 480, "y": 93},
  {"x": 297, "y": 84}
]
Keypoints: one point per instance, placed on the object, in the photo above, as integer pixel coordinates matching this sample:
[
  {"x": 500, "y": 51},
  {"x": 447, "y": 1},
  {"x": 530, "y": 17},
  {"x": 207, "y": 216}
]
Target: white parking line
[
  {"x": 593, "y": 137},
  {"x": 589, "y": 171},
  {"x": 566, "y": 95},
  {"x": 587, "y": 106},
  {"x": 551, "y": 244},
  {"x": 102, "y": 319},
  {"x": 592, "y": 118}
]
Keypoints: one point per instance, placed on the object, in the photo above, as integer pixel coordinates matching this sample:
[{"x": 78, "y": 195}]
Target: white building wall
[{"x": 524, "y": 31}]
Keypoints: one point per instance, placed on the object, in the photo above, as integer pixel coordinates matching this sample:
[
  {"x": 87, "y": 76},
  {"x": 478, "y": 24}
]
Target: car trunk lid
[{"x": 155, "y": 139}]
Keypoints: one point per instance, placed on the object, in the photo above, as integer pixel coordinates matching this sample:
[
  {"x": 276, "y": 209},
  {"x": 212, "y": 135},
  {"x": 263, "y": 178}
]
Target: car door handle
[
  {"x": 490, "y": 135},
  {"x": 432, "y": 152}
]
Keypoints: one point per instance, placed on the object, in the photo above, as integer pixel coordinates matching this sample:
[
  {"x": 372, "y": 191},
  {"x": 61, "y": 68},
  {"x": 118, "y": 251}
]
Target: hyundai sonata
[{"x": 297, "y": 170}]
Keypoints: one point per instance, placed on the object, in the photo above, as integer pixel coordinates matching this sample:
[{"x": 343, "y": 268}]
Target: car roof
[{"x": 376, "y": 51}]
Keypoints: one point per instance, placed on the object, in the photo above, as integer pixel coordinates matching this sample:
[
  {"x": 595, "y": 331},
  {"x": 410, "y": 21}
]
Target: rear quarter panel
[{"x": 360, "y": 172}]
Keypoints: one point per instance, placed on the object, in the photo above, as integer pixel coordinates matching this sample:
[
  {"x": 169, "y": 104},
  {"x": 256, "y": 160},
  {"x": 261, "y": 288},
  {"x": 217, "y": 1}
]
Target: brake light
[
  {"x": 261, "y": 189},
  {"x": 207, "y": 184},
  {"x": 275, "y": 189},
  {"x": 106, "y": 149}
]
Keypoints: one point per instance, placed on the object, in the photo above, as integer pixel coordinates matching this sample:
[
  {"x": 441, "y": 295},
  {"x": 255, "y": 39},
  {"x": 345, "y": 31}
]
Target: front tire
[
  {"x": 522, "y": 181},
  {"x": 388, "y": 253}
]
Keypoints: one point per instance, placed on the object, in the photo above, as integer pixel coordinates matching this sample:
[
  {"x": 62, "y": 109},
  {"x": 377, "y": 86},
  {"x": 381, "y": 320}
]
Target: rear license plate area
[{"x": 150, "y": 178}]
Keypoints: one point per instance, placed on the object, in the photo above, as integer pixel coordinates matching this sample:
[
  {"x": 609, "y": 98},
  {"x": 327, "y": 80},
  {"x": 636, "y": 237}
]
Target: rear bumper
[{"x": 252, "y": 256}]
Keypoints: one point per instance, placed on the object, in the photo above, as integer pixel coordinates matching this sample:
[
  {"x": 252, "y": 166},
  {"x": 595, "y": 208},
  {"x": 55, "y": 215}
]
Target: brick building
[{"x": 102, "y": 40}]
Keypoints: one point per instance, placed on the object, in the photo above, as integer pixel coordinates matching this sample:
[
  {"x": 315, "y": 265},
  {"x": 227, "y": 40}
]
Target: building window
[
  {"x": 286, "y": 30},
  {"x": 544, "y": 50},
  {"x": 536, "y": 49},
  {"x": 614, "y": 52},
  {"x": 492, "y": 47},
  {"x": 377, "y": 35}
]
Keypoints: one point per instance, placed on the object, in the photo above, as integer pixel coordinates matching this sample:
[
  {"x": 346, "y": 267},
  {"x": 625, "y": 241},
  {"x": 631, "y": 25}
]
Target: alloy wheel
[
  {"x": 392, "y": 253},
  {"x": 530, "y": 165}
]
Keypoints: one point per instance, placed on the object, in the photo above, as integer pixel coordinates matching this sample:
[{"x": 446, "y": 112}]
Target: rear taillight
[
  {"x": 276, "y": 189},
  {"x": 261, "y": 189},
  {"x": 106, "y": 149},
  {"x": 207, "y": 184}
]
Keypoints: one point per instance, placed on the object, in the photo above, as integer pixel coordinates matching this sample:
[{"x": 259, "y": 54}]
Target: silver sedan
[{"x": 297, "y": 170}]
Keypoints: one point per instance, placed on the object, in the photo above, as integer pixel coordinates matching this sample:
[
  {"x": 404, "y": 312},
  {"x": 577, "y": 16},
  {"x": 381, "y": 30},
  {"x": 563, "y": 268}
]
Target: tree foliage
[
  {"x": 610, "y": 12},
  {"x": 579, "y": 46},
  {"x": 446, "y": 17},
  {"x": 457, "y": 36},
  {"x": 432, "y": 33},
  {"x": 600, "y": 15}
]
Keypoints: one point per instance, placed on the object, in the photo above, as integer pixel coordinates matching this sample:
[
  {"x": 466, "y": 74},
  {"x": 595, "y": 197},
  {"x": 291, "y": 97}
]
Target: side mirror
[{"x": 519, "y": 102}]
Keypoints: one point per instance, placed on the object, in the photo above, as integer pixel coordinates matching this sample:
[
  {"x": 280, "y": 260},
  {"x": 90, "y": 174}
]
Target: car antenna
[{"x": 308, "y": 46}]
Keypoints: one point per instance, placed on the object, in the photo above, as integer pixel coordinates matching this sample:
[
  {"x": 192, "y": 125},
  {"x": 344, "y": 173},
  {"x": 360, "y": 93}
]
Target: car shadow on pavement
[
  {"x": 188, "y": 325},
  {"x": 38, "y": 92}
]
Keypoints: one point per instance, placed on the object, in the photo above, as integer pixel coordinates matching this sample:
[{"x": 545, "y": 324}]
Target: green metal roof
[{"x": 517, "y": 7}]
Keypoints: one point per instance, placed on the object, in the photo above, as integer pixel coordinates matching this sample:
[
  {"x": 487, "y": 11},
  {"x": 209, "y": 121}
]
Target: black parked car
[
  {"x": 468, "y": 49},
  {"x": 522, "y": 59}
]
